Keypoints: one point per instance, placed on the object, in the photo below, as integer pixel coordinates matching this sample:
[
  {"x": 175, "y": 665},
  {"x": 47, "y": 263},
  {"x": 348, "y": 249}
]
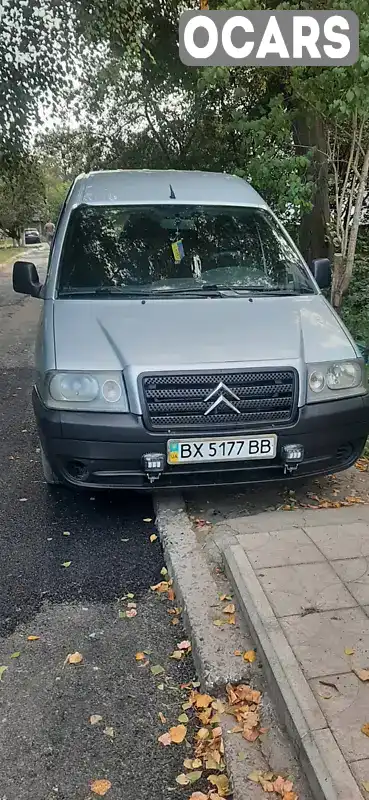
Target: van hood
[{"x": 116, "y": 334}]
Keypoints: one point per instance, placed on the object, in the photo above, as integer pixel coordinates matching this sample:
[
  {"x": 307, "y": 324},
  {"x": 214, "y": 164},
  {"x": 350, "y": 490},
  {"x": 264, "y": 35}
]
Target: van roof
[{"x": 110, "y": 187}]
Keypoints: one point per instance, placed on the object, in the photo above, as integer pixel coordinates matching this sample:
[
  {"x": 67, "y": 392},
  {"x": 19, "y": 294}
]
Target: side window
[{"x": 61, "y": 212}]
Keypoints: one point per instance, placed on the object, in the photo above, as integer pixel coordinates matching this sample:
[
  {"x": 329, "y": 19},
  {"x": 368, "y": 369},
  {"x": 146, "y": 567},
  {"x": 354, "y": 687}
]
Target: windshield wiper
[{"x": 104, "y": 290}]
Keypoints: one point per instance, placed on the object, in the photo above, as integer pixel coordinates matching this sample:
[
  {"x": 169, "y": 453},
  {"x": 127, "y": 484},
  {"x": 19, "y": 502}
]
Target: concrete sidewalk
[{"x": 302, "y": 581}]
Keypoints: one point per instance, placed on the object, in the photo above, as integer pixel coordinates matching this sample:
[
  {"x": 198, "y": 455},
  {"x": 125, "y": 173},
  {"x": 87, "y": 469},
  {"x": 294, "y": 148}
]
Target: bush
[{"x": 355, "y": 309}]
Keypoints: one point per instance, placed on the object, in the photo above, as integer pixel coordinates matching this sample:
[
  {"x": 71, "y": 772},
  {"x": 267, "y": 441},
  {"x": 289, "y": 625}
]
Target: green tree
[{"x": 22, "y": 195}]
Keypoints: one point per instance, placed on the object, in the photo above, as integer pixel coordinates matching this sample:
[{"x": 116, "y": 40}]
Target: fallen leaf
[
  {"x": 363, "y": 674},
  {"x": 94, "y": 719},
  {"x": 203, "y": 700},
  {"x": 218, "y": 706},
  {"x": 182, "y": 779},
  {"x": 147, "y": 519},
  {"x": 185, "y": 645},
  {"x": 229, "y": 609},
  {"x": 290, "y": 796},
  {"x": 178, "y": 733},
  {"x": 153, "y": 537},
  {"x": 15, "y": 655},
  {"x": 66, "y": 533},
  {"x": 140, "y": 656},
  {"x": 100, "y": 787},
  {"x": 164, "y": 572},
  {"x": 171, "y": 595},
  {"x": 231, "y": 619},
  {"x": 160, "y": 686},
  {"x": 255, "y": 776},
  {"x": 219, "y": 622},
  {"x": 364, "y": 729},
  {"x": 249, "y": 656},
  {"x": 32, "y": 638},
  {"x": 177, "y": 655},
  {"x": 161, "y": 587},
  {"x": 162, "y": 717},
  {"x": 157, "y": 669},
  {"x": 198, "y": 796},
  {"x": 196, "y": 763},
  {"x": 121, "y": 614},
  {"x": 131, "y": 613},
  {"x": 211, "y": 764},
  {"x": 365, "y": 785},
  {"x": 109, "y": 732},
  {"x": 66, "y": 564},
  {"x": 165, "y": 739},
  {"x": 175, "y": 621},
  {"x": 202, "y": 734},
  {"x": 183, "y": 718},
  {"x": 223, "y": 597},
  {"x": 74, "y": 658},
  {"x": 2, "y": 670},
  {"x": 194, "y": 776},
  {"x": 349, "y": 651},
  {"x": 221, "y": 782},
  {"x": 250, "y": 734},
  {"x": 238, "y": 652}
]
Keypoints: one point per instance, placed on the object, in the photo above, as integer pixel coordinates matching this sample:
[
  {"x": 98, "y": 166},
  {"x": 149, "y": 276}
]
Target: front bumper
[{"x": 105, "y": 450}]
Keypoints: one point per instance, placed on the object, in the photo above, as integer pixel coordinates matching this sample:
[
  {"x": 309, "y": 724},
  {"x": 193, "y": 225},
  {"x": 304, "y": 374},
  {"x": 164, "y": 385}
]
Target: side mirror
[
  {"x": 25, "y": 279},
  {"x": 322, "y": 271}
]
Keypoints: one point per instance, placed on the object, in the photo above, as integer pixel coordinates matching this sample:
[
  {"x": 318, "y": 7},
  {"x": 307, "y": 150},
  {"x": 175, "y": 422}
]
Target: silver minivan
[{"x": 184, "y": 342}]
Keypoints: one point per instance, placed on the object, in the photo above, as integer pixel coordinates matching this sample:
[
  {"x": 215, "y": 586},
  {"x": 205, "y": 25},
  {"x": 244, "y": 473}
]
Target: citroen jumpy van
[{"x": 184, "y": 342}]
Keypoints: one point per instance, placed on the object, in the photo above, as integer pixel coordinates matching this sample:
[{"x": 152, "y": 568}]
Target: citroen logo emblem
[{"x": 221, "y": 394}]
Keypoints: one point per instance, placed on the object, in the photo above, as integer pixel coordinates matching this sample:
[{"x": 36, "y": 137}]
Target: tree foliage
[{"x": 22, "y": 195}]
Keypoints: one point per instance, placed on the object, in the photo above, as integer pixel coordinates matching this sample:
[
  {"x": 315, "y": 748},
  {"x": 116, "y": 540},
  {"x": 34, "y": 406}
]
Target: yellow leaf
[
  {"x": 15, "y": 655},
  {"x": 183, "y": 718},
  {"x": 140, "y": 656},
  {"x": 177, "y": 655},
  {"x": 202, "y": 734},
  {"x": 182, "y": 779},
  {"x": 249, "y": 656},
  {"x": 94, "y": 719},
  {"x": 349, "y": 651},
  {"x": 229, "y": 609},
  {"x": 188, "y": 763},
  {"x": 218, "y": 706},
  {"x": 365, "y": 785},
  {"x": 109, "y": 732},
  {"x": 178, "y": 733},
  {"x": 203, "y": 700},
  {"x": 153, "y": 537},
  {"x": 100, "y": 787},
  {"x": 32, "y": 638},
  {"x": 225, "y": 597},
  {"x": 74, "y": 658},
  {"x": 221, "y": 782},
  {"x": 219, "y": 622},
  {"x": 194, "y": 776},
  {"x": 231, "y": 619},
  {"x": 363, "y": 674},
  {"x": 147, "y": 519},
  {"x": 66, "y": 533},
  {"x": 365, "y": 729},
  {"x": 66, "y": 564},
  {"x": 211, "y": 764},
  {"x": 196, "y": 763},
  {"x": 175, "y": 621},
  {"x": 255, "y": 776},
  {"x": 2, "y": 670},
  {"x": 238, "y": 652}
]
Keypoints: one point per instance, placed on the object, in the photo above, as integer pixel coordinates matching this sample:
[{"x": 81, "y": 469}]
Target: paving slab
[{"x": 304, "y": 591}]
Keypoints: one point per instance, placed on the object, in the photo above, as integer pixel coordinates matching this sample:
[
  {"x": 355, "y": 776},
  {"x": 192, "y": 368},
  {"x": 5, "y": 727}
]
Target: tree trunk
[
  {"x": 343, "y": 268},
  {"x": 309, "y": 134}
]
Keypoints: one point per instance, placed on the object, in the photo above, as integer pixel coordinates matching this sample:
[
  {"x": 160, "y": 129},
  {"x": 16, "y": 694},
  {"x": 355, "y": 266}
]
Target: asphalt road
[{"x": 48, "y": 748}]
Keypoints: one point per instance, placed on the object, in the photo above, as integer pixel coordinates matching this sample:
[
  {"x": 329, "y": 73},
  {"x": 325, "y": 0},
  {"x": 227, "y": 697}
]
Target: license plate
[{"x": 242, "y": 448}]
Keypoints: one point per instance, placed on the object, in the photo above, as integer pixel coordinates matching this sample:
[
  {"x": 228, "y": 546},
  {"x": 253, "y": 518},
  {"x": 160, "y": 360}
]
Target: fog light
[
  {"x": 153, "y": 464},
  {"x": 292, "y": 454}
]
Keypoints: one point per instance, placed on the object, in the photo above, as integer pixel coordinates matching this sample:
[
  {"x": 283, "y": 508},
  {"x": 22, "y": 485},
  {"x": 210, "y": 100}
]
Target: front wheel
[{"x": 49, "y": 475}]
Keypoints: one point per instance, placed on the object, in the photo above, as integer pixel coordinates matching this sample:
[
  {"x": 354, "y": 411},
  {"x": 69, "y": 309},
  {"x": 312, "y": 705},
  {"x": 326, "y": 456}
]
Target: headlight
[
  {"x": 85, "y": 391},
  {"x": 338, "y": 379}
]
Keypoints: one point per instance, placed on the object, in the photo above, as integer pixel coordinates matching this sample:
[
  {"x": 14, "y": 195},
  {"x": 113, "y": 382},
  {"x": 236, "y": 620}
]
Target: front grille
[{"x": 262, "y": 397}]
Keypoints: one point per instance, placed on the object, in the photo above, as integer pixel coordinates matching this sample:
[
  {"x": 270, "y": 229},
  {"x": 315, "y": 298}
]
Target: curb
[
  {"x": 212, "y": 647},
  {"x": 326, "y": 770}
]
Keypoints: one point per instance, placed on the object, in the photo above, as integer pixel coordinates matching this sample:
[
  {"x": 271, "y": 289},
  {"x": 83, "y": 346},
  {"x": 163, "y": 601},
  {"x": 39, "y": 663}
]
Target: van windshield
[{"x": 172, "y": 248}]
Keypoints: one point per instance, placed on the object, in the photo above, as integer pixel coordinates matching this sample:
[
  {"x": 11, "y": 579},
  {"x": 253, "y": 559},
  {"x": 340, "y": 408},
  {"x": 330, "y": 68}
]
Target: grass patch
[{"x": 9, "y": 254}]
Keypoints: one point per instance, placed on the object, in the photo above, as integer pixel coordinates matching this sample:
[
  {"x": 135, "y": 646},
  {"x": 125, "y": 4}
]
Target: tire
[{"x": 49, "y": 475}]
